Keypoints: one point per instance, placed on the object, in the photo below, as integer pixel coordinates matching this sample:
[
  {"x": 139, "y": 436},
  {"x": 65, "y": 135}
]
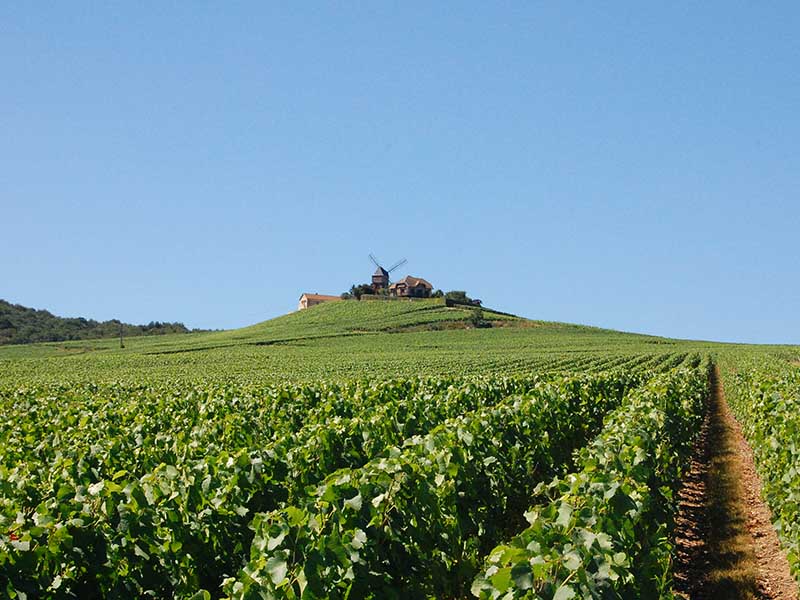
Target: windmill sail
[{"x": 380, "y": 279}]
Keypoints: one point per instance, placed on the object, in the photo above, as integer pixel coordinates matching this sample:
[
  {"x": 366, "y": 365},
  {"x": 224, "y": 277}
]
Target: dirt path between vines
[{"x": 725, "y": 545}]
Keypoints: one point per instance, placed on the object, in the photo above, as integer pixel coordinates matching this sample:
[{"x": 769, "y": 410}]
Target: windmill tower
[{"x": 380, "y": 279}]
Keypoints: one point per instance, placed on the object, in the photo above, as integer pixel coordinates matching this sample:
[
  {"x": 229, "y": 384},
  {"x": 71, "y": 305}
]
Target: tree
[
  {"x": 20, "y": 325},
  {"x": 356, "y": 291},
  {"x": 457, "y": 295},
  {"x": 476, "y": 319}
]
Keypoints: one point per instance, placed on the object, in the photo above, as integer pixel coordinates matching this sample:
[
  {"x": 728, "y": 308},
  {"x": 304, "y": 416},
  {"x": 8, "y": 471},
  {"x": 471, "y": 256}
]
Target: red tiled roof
[
  {"x": 320, "y": 297},
  {"x": 412, "y": 282}
]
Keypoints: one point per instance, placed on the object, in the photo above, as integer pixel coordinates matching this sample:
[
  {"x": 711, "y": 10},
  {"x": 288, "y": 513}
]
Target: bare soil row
[{"x": 726, "y": 545}]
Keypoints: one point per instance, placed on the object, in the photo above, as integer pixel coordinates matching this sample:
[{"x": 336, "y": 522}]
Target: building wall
[
  {"x": 309, "y": 302},
  {"x": 419, "y": 291}
]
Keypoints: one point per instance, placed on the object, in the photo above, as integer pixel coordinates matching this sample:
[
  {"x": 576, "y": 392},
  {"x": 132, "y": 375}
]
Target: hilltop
[
  {"x": 344, "y": 319},
  {"x": 325, "y": 320},
  {"x": 373, "y": 316},
  {"x": 339, "y": 340}
]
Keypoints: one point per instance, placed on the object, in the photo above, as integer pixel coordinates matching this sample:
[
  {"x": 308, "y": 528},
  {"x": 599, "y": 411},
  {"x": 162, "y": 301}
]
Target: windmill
[{"x": 380, "y": 279}]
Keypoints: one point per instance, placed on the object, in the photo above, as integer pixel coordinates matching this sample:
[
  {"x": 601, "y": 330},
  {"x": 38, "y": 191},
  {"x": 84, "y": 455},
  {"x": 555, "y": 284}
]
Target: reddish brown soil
[{"x": 726, "y": 547}]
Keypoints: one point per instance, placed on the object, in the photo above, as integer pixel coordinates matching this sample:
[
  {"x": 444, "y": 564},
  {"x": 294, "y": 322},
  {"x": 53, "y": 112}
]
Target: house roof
[
  {"x": 410, "y": 281},
  {"x": 319, "y": 297}
]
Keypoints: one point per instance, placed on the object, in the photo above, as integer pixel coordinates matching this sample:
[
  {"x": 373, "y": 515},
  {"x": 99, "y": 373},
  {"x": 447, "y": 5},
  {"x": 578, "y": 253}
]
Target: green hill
[
  {"x": 370, "y": 316},
  {"x": 345, "y": 340},
  {"x": 22, "y": 325},
  {"x": 333, "y": 319}
]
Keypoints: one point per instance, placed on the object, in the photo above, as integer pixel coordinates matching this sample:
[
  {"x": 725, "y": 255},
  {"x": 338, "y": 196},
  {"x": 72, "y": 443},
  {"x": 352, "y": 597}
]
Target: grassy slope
[
  {"x": 343, "y": 339},
  {"x": 325, "y": 320}
]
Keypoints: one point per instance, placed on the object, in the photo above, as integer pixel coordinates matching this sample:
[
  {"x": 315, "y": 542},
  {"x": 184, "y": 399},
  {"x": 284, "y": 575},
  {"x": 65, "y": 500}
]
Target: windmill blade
[
  {"x": 375, "y": 260},
  {"x": 398, "y": 264}
]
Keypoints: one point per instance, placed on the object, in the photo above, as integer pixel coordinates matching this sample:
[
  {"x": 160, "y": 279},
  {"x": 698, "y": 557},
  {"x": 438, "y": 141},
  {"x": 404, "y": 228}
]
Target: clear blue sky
[{"x": 627, "y": 166}]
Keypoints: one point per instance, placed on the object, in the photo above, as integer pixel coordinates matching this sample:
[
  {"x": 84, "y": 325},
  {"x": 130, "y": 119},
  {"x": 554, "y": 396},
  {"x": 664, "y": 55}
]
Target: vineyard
[{"x": 335, "y": 455}]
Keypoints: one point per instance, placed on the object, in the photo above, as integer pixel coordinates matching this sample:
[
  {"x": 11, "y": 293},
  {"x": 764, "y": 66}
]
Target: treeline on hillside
[
  {"x": 366, "y": 289},
  {"x": 23, "y": 325}
]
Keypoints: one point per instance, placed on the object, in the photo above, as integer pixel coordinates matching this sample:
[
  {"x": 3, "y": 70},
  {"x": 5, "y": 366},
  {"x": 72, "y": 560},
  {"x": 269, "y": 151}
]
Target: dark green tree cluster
[
  {"x": 358, "y": 290},
  {"x": 476, "y": 319},
  {"x": 458, "y": 295},
  {"x": 22, "y": 325}
]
